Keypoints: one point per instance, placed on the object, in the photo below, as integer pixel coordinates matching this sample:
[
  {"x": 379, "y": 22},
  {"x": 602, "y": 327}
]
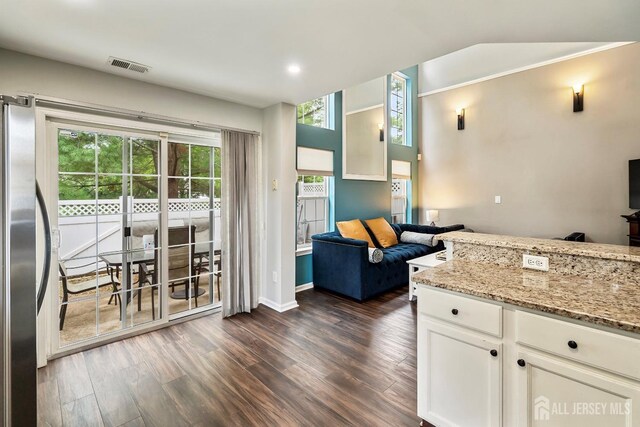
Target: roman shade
[
  {"x": 312, "y": 161},
  {"x": 400, "y": 169}
]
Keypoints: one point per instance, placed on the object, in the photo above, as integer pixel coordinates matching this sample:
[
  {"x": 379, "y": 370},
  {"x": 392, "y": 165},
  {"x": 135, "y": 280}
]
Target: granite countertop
[
  {"x": 593, "y": 250},
  {"x": 613, "y": 304}
]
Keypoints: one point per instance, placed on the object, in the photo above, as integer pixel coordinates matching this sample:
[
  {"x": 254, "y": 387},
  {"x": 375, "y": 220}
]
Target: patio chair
[
  {"x": 182, "y": 263},
  {"x": 203, "y": 267},
  {"x": 77, "y": 287}
]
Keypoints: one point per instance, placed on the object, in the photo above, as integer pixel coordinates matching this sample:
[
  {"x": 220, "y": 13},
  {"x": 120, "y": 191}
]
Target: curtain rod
[{"x": 49, "y": 101}]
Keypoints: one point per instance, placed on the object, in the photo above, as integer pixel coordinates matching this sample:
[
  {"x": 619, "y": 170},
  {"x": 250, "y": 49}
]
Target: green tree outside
[{"x": 91, "y": 163}]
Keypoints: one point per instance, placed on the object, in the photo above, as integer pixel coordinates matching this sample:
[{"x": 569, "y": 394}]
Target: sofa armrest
[
  {"x": 454, "y": 227},
  {"x": 339, "y": 264},
  {"x": 335, "y": 238}
]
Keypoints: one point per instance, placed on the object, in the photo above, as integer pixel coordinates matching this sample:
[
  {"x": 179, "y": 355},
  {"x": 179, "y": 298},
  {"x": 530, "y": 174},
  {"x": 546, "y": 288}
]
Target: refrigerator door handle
[{"x": 44, "y": 279}]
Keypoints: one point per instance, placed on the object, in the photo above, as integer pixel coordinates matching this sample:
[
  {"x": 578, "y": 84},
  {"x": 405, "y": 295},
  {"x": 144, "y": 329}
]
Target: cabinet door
[
  {"x": 555, "y": 393},
  {"x": 459, "y": 376}
]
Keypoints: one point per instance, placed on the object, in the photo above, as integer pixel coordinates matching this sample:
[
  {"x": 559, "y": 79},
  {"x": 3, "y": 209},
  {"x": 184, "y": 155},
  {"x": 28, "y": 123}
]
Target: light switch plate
[
  {"x": 535, "y": 262},
  {"x": 498, "y": 199}
]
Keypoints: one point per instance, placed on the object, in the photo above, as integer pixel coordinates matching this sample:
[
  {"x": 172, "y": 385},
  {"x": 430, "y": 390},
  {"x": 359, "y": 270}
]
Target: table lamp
[{"x": 433, "y": 216}]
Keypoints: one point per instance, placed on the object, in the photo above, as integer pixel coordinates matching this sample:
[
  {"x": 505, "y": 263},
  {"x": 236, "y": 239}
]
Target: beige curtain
[{"x": 239, "y": 222}]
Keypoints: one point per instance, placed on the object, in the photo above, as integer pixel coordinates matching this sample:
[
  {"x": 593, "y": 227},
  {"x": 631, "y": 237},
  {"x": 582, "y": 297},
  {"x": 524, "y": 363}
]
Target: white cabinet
[
  {"x": 586, "y": 345},
  {"x": 459, "y": 376},
  {"x": 469, "y": 313},
  {"x": 553, "y": 392},
  {"x": 544, "y": 372}
]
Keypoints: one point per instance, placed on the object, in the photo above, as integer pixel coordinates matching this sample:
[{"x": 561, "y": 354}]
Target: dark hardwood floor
[{"x": 330, "y": 362}]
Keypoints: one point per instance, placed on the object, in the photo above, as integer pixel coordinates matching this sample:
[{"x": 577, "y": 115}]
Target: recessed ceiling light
[{"x": 293, "y": 69}]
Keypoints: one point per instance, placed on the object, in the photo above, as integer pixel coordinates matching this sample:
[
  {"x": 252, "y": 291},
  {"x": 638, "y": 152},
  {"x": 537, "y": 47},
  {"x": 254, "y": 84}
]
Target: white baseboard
[
  {"x": 304, "y": 287},
  {"x": 278, "y": 307}
]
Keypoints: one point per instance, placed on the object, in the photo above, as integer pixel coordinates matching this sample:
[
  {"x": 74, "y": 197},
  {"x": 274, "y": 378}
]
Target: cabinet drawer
[
  {"x": 605, "y": 350},
  {"x": 460, "y": 310}
]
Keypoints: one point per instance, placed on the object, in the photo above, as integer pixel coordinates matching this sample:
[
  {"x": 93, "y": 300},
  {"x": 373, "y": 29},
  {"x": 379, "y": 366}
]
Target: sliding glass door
[
  {"x": 115, "y": 208},
  {"x": 193, "y": 191},
  {"x": 108, "y": 192}
]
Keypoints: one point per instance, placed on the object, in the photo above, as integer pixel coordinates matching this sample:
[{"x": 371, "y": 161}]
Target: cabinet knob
[
  {"x": 521, "y": 362},
  {"x": 494, "y": 353},
  {"x": 572, "y": 344},
  {"x": 454, "y": 311}
]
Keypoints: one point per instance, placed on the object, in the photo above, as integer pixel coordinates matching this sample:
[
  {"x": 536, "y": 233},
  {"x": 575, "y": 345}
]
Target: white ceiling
[{"x": 239, "y": 49}]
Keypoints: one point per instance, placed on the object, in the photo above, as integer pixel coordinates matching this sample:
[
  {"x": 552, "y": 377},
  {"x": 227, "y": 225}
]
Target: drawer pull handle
[
  {"x": 572, "y": 344},
  {"x": 521, "y": 363},
  {"x": 454, "y": 311},
  {"x": 494, "y": 353}
]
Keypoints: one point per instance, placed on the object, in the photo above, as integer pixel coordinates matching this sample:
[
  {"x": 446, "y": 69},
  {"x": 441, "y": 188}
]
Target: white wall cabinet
[{"x": 534, "y": 377}]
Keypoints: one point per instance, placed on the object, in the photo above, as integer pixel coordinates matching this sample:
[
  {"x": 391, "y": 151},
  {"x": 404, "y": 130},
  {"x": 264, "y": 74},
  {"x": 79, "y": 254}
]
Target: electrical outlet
[
  {"x": 275, "y": 277},
  {"x": 535, "y": 262}
]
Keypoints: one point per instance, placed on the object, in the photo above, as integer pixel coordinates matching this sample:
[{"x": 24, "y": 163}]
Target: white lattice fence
[
  {"x": 398, "y": 187},
  {"x": 182, "y": 205},
  {"x": 83, "y": 208},
  {"x": 312, "y": 189},
  {"x": 71, "y": 208}
]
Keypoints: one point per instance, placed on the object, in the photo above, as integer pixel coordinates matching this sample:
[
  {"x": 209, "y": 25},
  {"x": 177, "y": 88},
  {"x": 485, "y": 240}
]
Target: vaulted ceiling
[{"x": 240, "y": 49}]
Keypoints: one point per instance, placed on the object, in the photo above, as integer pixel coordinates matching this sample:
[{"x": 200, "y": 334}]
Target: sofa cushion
[
  {"x": 354, "y": 230},
  {"x": 403, "y": 252},
  {"x": 385, "y": 235}
]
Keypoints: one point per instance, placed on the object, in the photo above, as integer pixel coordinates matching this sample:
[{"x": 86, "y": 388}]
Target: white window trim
[{"x": 303, "y": 250}]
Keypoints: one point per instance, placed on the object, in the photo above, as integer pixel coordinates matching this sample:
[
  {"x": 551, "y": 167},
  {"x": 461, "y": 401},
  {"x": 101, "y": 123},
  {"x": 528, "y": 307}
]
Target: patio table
[{"x": 115, "y": 260}]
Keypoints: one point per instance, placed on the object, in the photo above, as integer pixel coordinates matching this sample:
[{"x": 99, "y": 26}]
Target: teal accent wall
[
  {"x": 303, "y": 270},
  {"x": 362, "y": 199}
]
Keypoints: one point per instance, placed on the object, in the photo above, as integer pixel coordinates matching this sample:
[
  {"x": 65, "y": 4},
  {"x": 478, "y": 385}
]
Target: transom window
[
  {"x": 318, "y": 112},
  {"x": 398, "y": 110}
]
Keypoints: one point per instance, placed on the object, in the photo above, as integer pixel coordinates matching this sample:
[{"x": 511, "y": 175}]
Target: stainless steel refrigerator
[{"x": 18, "y": 299}]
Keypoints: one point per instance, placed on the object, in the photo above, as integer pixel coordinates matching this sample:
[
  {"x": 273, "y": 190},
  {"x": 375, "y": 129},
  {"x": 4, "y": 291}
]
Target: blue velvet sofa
[{"x": 342, "y": 265}]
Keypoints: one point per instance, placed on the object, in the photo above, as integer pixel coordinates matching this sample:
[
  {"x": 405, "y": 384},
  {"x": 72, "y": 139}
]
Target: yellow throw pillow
[
  {"x": 354, "y": 230},
  {"x": 383, "y": 231}
]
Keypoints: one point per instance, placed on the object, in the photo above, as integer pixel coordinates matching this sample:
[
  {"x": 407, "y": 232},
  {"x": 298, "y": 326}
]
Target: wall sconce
[
  {"x": 432, "y": 216},
  {"x": 578, "y": 97},
  {"x": 460, "y": 113},
  {"x": 381, "y": 129}
]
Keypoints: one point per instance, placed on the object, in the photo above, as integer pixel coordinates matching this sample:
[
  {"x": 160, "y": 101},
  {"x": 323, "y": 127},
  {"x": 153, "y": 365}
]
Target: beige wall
[{"x": 557, "y": 171}]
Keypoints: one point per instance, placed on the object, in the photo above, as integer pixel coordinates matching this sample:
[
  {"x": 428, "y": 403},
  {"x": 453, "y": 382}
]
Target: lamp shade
[{"x": 433, "y": 215}]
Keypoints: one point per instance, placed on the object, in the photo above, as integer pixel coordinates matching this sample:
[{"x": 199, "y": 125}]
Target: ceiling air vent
[{"x": 128, "y": 65}]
